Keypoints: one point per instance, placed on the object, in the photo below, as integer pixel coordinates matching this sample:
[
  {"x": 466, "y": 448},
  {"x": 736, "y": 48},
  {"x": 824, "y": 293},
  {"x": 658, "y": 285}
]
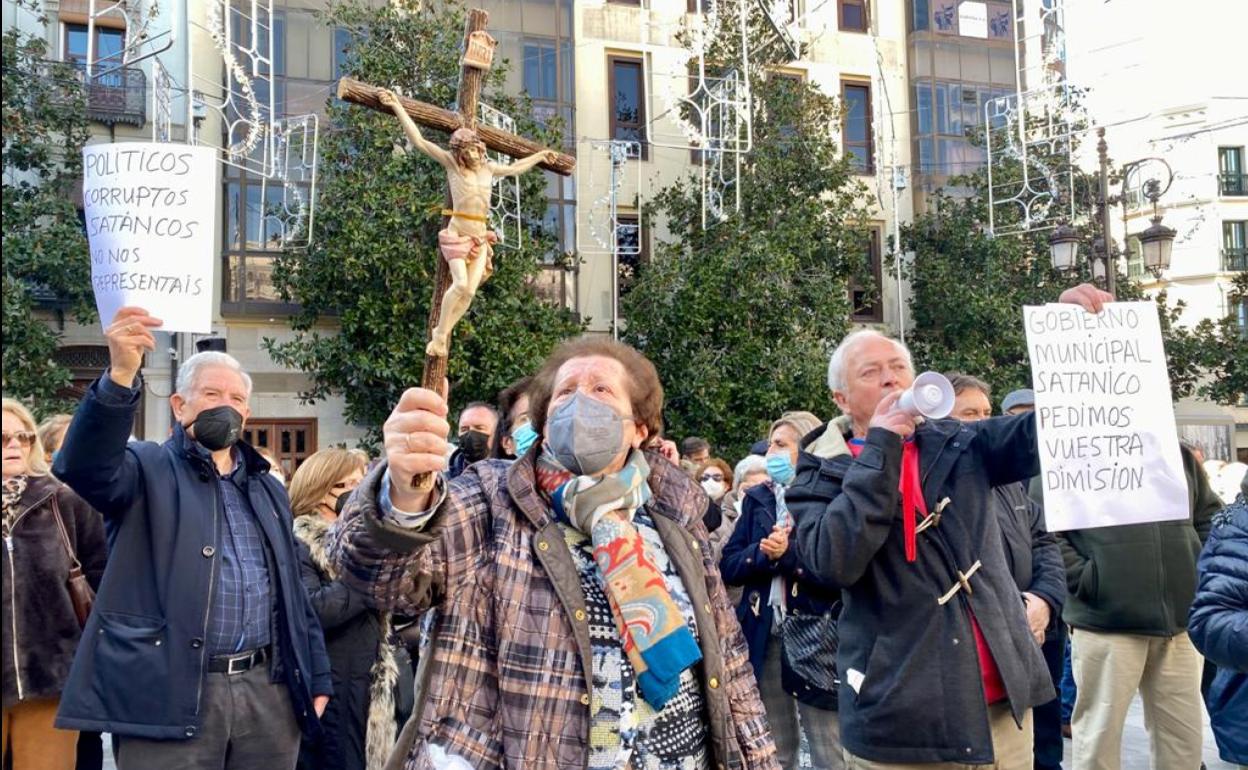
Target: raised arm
[
  {"x": 94, "y": 461},
  {"x": 389, "y": 99},
  {"x": 524, "y": 164},
  {"x": 401, "y": 546}
]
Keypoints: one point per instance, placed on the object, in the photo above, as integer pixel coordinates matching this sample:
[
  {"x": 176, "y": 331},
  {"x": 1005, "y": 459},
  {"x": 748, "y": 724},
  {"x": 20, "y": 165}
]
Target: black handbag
[{"x": 809, "y": 644}]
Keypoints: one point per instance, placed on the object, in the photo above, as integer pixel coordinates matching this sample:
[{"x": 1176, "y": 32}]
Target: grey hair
[
  {"x": 801, "y": 423},
  {"x": 836, "y": 365},
  {"x": 751, "y": 464},
  {"x": 189, "y": 371}
]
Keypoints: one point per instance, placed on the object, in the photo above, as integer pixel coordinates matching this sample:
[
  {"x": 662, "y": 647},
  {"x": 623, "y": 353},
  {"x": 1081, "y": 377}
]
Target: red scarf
[{"x": 913, "y": 506}]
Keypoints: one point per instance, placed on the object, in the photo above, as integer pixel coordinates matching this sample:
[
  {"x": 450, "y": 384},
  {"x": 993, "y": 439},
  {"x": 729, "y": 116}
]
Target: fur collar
[
  {"x": 313, "y": 531},
  {"x": 382, "y": 727}
]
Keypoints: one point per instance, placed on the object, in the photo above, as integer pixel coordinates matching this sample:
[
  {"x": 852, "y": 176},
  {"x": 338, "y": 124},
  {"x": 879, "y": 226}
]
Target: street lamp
[
  {"x": 1156, "y": 242},
  {"x": 1064, "y": 248}
]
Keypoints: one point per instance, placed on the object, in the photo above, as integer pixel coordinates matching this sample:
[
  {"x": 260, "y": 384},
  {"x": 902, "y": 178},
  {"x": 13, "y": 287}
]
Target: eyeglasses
[
  {"x": 712, "y": 477},
  {"x": 24, "y": 437}
]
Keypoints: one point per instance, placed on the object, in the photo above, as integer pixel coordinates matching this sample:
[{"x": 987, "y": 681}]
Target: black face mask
[
  {"x": 218, "y": 428},
  {"x": 475, "y": 445}
]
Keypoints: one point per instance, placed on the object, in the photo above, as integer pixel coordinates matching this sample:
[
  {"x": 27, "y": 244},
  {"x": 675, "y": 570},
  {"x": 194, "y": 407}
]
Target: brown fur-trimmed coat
[
  {"x": 360, "y": 724},
  {"x": 40, "y": 630}
]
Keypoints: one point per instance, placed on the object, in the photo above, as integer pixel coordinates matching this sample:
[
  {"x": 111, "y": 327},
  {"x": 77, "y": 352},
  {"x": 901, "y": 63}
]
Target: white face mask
[{"x": 714, "y": 489}]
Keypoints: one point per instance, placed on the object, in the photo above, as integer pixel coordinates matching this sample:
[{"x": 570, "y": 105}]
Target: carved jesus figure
[{"x": 466, "y": 243}]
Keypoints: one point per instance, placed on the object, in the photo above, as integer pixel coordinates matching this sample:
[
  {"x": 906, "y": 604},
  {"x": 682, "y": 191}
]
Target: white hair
[
  {"x": 751, "y": 464},
  {"x": 188, "y": 372},
  {"x": 836, "y": 365}
]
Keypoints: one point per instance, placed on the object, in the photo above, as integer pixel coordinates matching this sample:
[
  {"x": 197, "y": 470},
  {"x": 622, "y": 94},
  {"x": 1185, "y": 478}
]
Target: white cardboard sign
[
  {"x": 149, "y": 215},
  {"x": 1109, "y": 452},
  {"x": 973, "y": 19}
]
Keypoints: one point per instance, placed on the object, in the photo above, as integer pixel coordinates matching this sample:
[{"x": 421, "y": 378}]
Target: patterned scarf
[
  {"x": 14, "y": 488},
  {"x": 656, "y": 639}
]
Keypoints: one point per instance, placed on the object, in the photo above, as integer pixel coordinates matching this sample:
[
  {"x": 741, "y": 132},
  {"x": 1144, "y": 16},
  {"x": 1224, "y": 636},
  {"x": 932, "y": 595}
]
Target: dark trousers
[
  {"x": 1047, "y": 717},
  {"x": 90, "y": 751},
  {"x": 248, "y": 724}
]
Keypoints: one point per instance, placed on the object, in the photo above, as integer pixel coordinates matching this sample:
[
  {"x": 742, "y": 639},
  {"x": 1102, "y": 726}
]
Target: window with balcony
[
  {"x": 852, "y": 15},
  {"x": 626, "y": 84},
  {"x": 864, "y": 286},
  {"x": 115, "y": 94},
  {"x": 856, "y": 126},
  {"x": 1231, "y": 177},
  {"x": 1234, "y": 248},
  {"x": 109, "y": 43}
]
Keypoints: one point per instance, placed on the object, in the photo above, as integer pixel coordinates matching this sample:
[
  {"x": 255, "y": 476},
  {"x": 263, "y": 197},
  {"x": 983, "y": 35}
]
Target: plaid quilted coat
[{"x": 504, "y": 679}]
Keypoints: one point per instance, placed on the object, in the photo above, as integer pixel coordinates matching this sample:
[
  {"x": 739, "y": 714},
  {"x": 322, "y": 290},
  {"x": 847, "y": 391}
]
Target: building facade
[
  {"x": 913, "y": 76},
  {"x": 247, "y": 309}
]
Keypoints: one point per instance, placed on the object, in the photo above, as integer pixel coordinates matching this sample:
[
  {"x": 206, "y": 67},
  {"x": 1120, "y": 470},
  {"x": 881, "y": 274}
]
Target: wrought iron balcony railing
[
  {"x": 1235, "y": 259},
  {"x": 1233, "y": 184},
  {"x": 115, "y": 94}
]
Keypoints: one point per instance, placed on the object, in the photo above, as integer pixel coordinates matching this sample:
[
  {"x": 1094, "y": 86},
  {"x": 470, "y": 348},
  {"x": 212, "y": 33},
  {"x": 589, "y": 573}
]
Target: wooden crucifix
[{"x": 464, "y": 242}]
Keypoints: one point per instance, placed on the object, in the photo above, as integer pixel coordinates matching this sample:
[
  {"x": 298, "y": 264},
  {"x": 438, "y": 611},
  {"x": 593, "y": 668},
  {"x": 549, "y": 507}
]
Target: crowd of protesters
[{"x": 572, "y": 589}]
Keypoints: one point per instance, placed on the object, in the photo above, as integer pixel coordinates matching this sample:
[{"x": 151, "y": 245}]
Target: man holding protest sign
[
  {"x": 1132, "y": 509},
  {"x": 202, "y": 650},
  {"x": 938, "y": 665}
]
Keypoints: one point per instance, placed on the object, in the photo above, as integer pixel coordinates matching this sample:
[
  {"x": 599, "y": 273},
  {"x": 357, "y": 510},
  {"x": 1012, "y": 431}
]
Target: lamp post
[{"x": 1156, "y": 242}]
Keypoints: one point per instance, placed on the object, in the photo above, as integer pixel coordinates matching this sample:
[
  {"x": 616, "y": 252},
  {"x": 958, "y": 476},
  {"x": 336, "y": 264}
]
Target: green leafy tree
[
  {"x": 968, "y": 289},
  {"x": 371, "y": 265},
  {"x": 739, "y": 317},
  {"x": 45, "y": 249}
]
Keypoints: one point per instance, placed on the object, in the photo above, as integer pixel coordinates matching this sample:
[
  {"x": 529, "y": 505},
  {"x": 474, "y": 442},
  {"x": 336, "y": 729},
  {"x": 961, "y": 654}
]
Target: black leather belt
[{"x": 238, "y": 663}]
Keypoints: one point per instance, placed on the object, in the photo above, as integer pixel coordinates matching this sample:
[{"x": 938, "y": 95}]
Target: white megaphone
[{"x": 930, "y": 396}]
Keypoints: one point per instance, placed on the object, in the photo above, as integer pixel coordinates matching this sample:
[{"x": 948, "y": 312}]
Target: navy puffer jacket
[{"x": 1219, "y": 626}]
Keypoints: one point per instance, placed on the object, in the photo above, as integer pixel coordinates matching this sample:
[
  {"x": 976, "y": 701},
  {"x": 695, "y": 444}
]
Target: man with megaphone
[{"x": 938, "y": 666}]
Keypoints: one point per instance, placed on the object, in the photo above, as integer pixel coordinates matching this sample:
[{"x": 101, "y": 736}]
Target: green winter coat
[{"x": 1139, "y": 578}]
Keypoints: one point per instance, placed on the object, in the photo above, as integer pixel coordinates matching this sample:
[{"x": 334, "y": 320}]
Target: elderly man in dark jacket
[
  {"x": 203, "y": 650},
  {"x": 937, "y": 663},
  {"x": 1035, "y": 561},
  {"x": 1219, "y": 625},
  {"x": 1131, "y": 588}
]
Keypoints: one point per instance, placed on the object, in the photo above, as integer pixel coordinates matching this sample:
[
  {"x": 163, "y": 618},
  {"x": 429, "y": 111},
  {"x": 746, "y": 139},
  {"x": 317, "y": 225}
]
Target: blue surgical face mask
[
  {"x": 780, "y": 468},
  {"x": 524, "y": 436}
]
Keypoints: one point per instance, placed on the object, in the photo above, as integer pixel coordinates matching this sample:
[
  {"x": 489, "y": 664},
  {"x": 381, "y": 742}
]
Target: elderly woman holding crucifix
[
  {"x": 580, "y": 618},
  {"x": 466, "y": 243}
]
